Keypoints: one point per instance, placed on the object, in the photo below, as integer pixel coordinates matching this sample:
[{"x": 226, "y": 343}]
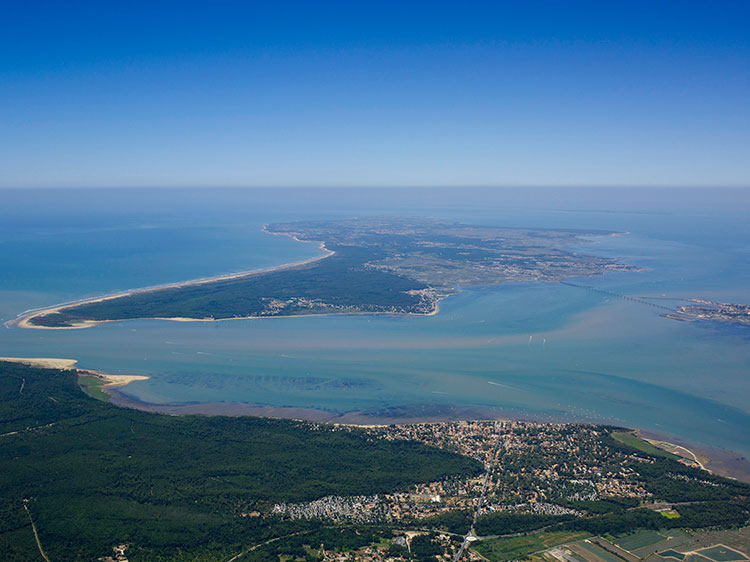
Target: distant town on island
[{"x": 701, "y": 309}]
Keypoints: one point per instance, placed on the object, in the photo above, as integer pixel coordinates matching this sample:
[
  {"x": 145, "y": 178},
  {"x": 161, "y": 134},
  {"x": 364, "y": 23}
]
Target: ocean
[{"x": 527, "y": 350}]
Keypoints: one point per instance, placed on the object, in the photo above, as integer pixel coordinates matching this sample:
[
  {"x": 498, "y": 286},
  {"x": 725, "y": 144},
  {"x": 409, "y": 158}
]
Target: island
[{"x": 381, "y": 265}]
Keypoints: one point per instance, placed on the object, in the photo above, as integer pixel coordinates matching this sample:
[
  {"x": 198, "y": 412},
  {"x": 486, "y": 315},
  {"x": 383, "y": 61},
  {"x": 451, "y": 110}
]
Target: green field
[
  {"x": 631, "y": 440},
  {"x": 670, "y": 514},
  {"x": 93, "y": 387},
  {"x": 519, "y": 548}
]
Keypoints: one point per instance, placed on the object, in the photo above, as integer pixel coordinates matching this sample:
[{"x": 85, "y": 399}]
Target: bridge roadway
[{"x": 638, "y": 300}]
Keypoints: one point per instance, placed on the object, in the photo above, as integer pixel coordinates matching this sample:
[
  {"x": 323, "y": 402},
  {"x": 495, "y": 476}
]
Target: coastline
[
  {"x": 718, "y": 461},
  {"x": 715, "y": 461},
  {"x": 111, "y": 382},
  {"x": 24, "y": 319}
]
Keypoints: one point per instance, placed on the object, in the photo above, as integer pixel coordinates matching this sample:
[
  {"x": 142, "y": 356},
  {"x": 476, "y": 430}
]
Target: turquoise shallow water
[{"x": 545, "y": 351}]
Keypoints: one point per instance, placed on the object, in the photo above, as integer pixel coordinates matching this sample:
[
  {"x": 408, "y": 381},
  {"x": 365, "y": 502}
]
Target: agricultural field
[
  {"x": 593, "y": 552},
  {"x": 729, "y": 545},
  {"x": 721, "y": 553},
  {"x": 519, "y": 548},
  {"x": 639, "y": 540}
]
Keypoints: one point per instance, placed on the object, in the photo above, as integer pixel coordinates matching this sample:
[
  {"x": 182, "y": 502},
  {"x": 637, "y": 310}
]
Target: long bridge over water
[{"x": 638, "y": 300}]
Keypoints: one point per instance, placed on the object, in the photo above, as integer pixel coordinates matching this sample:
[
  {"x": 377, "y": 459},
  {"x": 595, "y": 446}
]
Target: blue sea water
[{"x": 534, "y": 350}]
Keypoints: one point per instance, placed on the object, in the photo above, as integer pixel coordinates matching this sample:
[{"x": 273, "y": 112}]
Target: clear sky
[{"x": 374, "y": 93}]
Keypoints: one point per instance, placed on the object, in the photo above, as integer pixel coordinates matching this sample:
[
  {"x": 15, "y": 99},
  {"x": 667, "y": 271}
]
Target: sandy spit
[
  {"x": 24, "y": 320},
  {"x": 111, "y": 381}
]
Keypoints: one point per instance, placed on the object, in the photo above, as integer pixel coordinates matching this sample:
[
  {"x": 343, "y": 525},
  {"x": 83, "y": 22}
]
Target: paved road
[{"x": 470, "y": 536}]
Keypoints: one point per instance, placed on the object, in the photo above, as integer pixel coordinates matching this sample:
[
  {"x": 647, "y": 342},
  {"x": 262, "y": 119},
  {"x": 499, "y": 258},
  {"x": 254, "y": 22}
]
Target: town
[{"x": 554, "y": 471}]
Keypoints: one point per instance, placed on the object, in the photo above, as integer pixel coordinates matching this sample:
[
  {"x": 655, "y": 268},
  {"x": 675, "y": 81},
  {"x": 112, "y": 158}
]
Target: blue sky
[{"x": 374, "y": 93}]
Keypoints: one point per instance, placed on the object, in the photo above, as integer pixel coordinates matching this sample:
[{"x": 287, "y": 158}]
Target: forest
[{"x": 93, "y": 475}]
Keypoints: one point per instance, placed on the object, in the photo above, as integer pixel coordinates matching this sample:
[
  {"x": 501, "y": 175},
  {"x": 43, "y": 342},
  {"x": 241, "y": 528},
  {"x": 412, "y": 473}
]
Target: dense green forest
[{"x": 173, "y": 487}]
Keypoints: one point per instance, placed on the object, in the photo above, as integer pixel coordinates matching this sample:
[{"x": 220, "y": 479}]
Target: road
[
  {"x": 36, "y": 535},
  {"x": 264, "y": 543},
  {"x": 27, "y": 429},
  {"x": 470, "y": 536}
]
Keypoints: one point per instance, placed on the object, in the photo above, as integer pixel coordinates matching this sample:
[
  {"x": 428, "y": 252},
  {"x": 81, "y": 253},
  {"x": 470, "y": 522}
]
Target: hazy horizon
[{"x": 341, "y": 94}]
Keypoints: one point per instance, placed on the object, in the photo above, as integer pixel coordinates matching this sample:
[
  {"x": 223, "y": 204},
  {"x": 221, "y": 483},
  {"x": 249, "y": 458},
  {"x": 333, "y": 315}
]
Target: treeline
[
  {"x": 102, "y": 475},
  {"x": 505, "y": 523},
  {"x": 694, "y": 516},
  {"x": 457, "y": 521},
  {"x": 499, "y": 523},
  {"x": 604, "y": 505}
]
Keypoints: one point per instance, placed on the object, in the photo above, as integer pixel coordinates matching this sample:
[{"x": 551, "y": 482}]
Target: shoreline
[
  {"x": 21, "y": 322},
  {"x": 716, "y": 461},
  {"x": 24, "y": 319},
  {"x": 111, "y": 382},
  {"x": 722, "y": 462}
]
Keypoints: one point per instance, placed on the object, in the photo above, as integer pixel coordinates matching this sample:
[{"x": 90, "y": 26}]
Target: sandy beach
[
  {"x": 43, "y": 362},
  {"x": 110, "y": 381}
]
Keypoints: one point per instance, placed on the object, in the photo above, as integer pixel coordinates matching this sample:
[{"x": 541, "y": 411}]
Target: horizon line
[{"x": 379, "y": 186}]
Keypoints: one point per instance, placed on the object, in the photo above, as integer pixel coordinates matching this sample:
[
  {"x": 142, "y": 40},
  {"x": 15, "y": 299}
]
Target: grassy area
[
  {"x": 520, "y": 548},
  {"x": 631, "y": 440},
  {"x": 670, "y": 514},
  {"x": 92, "y": 386}
]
